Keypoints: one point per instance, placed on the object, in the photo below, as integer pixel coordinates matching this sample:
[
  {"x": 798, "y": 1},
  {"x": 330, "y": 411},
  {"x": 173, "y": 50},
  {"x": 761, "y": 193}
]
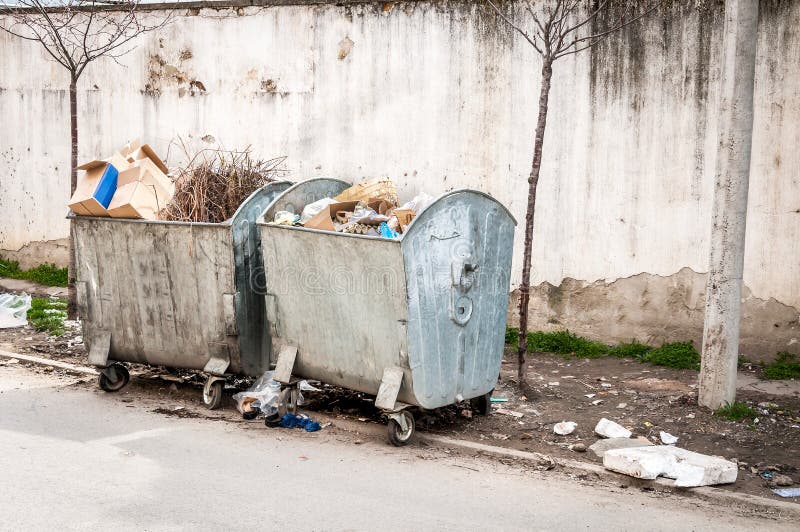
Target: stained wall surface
[{"x": 443, "y": 95}]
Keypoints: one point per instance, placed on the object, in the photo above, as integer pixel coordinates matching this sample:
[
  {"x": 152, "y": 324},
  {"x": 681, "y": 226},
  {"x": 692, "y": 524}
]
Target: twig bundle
[{"x": 215, "y": 182}]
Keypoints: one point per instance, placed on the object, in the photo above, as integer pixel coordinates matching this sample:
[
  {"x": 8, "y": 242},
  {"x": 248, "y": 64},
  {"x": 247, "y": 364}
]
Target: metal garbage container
[
  {"x": 177, "y": 294},
  {"x": 416, "y": 321}
]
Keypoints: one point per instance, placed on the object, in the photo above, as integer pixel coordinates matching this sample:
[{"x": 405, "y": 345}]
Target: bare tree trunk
[
  {"x": 533, "y": 182},
  {"x": 72, "y": 309},
  {"x": 726, "y": 261}
]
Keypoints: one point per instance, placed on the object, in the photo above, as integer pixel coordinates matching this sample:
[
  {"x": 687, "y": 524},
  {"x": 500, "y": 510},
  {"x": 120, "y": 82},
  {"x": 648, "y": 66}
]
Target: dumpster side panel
[
  {"x": 341, "y": 301},
  {"x": 457, "y": 257},
  {"x": 161, "y": 289},
  {"x": 254, "y": 344}
]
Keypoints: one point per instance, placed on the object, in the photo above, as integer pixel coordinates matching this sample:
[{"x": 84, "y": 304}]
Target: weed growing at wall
[
  {"x": 565, "y": 343},
  {"x": 678, "y": 355},
  {"x": 48, "y": 314},
  {"x": 785, "y": 366},
  {"x": 630, "y": 350},
  {"x": 46, "y": 274}
]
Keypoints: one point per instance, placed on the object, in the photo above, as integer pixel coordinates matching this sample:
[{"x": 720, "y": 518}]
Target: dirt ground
[{"x": 646, "y": 399}]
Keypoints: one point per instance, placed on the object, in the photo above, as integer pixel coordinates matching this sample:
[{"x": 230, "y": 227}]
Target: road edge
[{"x": 714, "y": 495}]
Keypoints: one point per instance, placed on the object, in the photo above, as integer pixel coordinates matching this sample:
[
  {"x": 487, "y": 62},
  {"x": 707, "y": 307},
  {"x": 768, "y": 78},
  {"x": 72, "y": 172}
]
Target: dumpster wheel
[
  {"x": 482, "y": 404},
  {"x": 401, "y": 428},
  {"x": 213, "y": 392},
  {"x": 114, "y": 377}
]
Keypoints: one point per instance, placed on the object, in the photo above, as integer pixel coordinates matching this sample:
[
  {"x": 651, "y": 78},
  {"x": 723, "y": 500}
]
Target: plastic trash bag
[
  {"x": 388, "y": 232},
  {"x": 419, "y": 202},
  {"x": 304, "y": 386},
  {"x": 313, "y": 209},
  {"x": 14, "y": 310},
  {"x": 264, "y": 395},
  {"x": 285, "y": 218}
]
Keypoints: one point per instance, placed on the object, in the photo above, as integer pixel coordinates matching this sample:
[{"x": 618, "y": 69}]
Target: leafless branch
[
  {"x": 76, "y": 32},
  {"x": 556, "y": 28}
]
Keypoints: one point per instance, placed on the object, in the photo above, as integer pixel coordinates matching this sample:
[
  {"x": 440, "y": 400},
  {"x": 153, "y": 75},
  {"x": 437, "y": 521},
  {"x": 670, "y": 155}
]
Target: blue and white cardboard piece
[{"x": 97, "y": 186}]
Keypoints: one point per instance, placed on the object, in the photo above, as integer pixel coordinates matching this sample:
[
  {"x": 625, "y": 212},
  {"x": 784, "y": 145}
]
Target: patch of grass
[
  {"x": 630, "y": 350},
  {"x": 677, "y": 355},
  {"x": 45, "y": 274},
  {"x": 512, "y": 336},
  {"x": 736, "y": 412},
  {"x": 785, "y": 366},
  {"x": 565, "y": 343},
  {"x": 48, "y": 314}
]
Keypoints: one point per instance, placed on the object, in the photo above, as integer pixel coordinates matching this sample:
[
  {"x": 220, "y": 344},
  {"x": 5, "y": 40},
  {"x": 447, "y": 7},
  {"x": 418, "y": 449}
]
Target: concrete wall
[{"x": 442, "y": 95}]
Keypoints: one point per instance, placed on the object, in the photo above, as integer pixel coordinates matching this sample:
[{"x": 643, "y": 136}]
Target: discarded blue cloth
[{"x": 291, "y": 421}]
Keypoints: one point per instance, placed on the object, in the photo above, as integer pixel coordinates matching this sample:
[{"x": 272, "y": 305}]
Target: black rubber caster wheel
[
  {"x": 397, "y": 436},
  {"x": 114, "y": 377},
  {"x": 483, "y": 404},
  {"x": 212, "y": 394}
]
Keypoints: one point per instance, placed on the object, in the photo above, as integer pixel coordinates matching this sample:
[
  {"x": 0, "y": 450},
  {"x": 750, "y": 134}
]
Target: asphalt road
[{"x": 73, "y": 458}]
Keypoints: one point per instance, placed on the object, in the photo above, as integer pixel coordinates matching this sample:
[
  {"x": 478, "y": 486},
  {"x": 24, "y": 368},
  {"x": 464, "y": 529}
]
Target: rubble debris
[
  {"x": 782, "y": 480},
  {"x": 689, "y": 469},
  {"x": 610, "y": 429},
  {"x": 599, "y": 448},
  {"x": 565, "y": 427}
]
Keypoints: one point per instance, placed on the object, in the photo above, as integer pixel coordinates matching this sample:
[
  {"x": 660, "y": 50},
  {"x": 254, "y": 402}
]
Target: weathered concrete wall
[{"x": 442, "y": 95}]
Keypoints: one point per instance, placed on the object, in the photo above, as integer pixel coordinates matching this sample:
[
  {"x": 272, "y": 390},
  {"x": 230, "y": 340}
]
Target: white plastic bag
[
  {"x": 264, "y": 394},
  {"x": 313, "y": 209},
  {"x": 14, "y": 310},
  {"x": 419, "y": 202}
]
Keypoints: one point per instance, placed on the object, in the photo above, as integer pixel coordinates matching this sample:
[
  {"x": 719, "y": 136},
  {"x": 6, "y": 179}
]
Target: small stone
[
  {"x": 173, "y": 387},
  {"x": 358, "y": 442},
  {"x": 467, "y": 413},
  {"x": 622, "y": 405},
  {"x": 578, "y": 447},
  {"x": 689, "y": 416},
  {"x": 606, "y": 385}
]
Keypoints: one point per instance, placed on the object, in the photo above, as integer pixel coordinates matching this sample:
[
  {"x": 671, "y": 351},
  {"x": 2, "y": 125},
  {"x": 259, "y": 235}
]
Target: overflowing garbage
[
  {"x": 132, "y": 183},
  {"x": 135, "y": 183},
  {"x": 267, "y": 396},
  {"x": 369, "y": 208},
  {"x": 216, "y": 182}
]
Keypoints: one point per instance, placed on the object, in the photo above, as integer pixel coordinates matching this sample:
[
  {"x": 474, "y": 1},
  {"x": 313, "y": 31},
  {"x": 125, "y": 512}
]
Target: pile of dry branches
[{"x": 216, "y": 182}]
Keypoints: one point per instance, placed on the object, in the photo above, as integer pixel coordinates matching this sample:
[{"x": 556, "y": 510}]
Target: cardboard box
[
  {"x": 136, "y": 151},
  {"x": 96, "y": 186},
  {"x": 141, "y": 193},
  {"x": 324, "y": 219}
]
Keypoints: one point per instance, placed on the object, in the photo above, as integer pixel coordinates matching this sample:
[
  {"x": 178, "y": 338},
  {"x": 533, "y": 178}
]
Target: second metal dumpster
[
  {"x": 418, "y": 320},
  {"x": 176, "y": 294}
]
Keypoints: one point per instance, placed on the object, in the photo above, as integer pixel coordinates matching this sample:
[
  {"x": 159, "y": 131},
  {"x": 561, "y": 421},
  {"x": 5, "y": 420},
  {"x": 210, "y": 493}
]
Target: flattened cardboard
[{"x": 324, "y": 219}]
